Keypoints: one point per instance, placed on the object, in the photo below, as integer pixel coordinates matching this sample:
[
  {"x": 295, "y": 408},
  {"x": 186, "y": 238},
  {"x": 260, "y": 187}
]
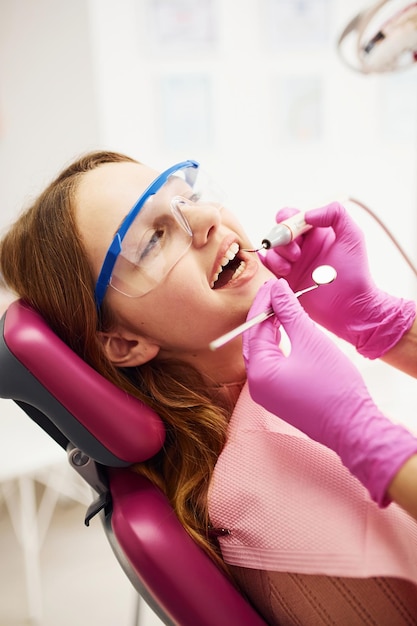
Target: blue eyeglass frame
[{"x": 115, "y": 247}]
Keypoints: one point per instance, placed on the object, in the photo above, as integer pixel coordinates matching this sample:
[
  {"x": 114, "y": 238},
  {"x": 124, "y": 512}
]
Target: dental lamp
[{"x": 386, "y": 38}]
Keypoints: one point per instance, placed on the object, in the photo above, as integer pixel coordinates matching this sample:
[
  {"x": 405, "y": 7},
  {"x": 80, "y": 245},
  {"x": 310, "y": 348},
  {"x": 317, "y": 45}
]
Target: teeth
[
  {"x": 239, "y": 270},
  {"x": 231, "y": 253},
  {"x": 229, "y": 256}
]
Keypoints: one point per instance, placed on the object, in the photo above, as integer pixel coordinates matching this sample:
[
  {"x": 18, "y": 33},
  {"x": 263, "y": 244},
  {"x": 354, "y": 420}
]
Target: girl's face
[{"x": 182, "y": 314}]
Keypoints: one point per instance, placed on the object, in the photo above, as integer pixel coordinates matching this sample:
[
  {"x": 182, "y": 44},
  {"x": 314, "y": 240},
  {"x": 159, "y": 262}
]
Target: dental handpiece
[{"x": 284, "y": 232}]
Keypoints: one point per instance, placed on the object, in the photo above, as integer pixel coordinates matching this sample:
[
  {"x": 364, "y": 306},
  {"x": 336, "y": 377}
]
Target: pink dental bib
[{"x": 291, "y": 506}]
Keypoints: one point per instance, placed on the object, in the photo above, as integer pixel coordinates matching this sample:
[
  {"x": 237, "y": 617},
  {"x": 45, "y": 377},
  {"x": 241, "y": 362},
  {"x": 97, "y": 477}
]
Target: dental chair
[{"x": 104, "y": 431}]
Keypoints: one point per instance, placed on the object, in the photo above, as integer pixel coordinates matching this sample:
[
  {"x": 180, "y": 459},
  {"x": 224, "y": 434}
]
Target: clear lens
[
  {"x": 160, "y": 234},
  {"x": 177, "y": 204}
]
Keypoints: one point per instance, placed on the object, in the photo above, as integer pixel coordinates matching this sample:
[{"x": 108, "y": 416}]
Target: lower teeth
[{"x": 239, "y": 270}]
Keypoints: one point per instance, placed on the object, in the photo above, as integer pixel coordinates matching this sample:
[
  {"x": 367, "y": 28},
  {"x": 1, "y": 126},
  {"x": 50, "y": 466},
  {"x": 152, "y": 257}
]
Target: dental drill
[{"x": 284, "y": 232}]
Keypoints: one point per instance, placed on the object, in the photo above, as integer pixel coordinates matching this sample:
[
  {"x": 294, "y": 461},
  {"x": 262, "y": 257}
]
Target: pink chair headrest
[{"x": 125, "y": 426}]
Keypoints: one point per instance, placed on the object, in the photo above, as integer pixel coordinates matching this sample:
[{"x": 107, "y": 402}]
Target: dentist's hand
[
  {"x": 318, "y": 390},
  {"x": 352, "y": 307}
]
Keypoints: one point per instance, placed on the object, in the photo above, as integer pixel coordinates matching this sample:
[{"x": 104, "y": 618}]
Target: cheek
[
  {"x": 231, "y": 221},
  {"x": 189, "y": 309},
  {"x": 186, "y": 301},
  {"x": 175, "y": 305}
]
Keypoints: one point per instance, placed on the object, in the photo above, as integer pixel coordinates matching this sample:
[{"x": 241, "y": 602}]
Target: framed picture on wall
[
  {"x": 182, "y": 25},
  {"x": 299, "y": 103},
  {"x": 186, "y": 112},
  {"x": 297, "y": 23},
  {"x": 397, "y": 107}
]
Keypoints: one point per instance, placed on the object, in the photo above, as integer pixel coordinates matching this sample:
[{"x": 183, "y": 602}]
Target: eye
[
  {"x": 150, "y": 245},
  {"x": 153, "y": 243},
  {"x": 186, "y": 197},
  {"x": 195, "y": 197}
]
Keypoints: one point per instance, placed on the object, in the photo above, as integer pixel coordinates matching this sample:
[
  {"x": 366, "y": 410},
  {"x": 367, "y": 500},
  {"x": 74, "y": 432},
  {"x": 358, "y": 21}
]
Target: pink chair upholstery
[{"x": 104, "y": 431}]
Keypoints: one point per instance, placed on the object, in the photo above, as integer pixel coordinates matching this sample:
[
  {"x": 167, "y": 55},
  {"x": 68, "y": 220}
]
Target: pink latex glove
[
  {"x": 318, "y": 390},
  {"x": 352, "y": 307}
]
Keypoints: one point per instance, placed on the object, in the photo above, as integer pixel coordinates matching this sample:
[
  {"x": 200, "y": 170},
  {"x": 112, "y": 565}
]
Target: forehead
[
  {"x": 102, "y": 199},
  {"x": 109, "y": 191}
]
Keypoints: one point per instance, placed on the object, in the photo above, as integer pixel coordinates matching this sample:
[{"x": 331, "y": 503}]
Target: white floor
[{"x": 81, "y": 580}]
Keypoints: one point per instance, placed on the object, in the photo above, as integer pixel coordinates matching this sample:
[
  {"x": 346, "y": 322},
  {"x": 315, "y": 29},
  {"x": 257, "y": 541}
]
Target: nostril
[{"x": 210, "y": 231}]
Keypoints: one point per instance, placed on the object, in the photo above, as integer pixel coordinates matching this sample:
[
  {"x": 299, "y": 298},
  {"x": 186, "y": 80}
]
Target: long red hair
[{"x": 42, "y": 260}]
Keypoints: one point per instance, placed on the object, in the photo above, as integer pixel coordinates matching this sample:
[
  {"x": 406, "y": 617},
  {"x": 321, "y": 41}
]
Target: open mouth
[{"x": 230, "y": 267}]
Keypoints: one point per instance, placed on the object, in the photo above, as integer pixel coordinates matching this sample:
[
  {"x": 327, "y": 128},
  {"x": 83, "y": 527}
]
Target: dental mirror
[
  {"x": 324, "y": 275},
  {"x": 321, "y": 275}
]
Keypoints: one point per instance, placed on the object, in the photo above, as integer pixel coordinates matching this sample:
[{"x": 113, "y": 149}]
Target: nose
[{"x": 204, "y": 218}]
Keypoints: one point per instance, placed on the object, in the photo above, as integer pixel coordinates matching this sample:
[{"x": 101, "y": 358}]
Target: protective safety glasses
[{"x": 154, "y": 235}]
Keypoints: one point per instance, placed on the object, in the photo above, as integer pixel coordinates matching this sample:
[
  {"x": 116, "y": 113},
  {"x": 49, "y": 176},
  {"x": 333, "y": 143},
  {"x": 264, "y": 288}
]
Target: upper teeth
[{"x": 229, "y": 256}]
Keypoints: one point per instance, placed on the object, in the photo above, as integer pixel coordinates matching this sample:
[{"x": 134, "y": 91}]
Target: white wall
[{"x": 48, "y": 107}]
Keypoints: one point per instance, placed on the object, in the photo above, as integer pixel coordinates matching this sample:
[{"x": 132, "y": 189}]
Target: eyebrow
[{"x": 169, "y": 182}]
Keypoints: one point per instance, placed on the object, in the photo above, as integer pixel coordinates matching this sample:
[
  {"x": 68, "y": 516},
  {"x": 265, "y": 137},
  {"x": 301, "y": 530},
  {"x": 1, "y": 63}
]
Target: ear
[{"x": 128, "y": 351}]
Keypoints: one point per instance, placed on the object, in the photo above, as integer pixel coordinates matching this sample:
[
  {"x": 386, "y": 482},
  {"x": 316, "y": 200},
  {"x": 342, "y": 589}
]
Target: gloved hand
[
  {"x": 352, "y": 307},
  {"x": 318, "y": 390}
]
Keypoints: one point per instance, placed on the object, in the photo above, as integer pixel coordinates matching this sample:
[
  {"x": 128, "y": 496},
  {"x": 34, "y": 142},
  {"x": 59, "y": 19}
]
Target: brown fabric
[{"x": 305, "y": 600}]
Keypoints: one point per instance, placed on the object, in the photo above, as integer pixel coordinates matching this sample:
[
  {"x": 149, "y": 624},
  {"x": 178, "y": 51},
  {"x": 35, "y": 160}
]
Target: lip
[{"x": 249, "y": 259}]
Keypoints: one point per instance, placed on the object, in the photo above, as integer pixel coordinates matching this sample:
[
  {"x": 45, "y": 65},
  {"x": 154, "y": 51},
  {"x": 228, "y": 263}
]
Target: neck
[
  {"x": 223, "y": 369},
  {"x": 230, "y": 391}
]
